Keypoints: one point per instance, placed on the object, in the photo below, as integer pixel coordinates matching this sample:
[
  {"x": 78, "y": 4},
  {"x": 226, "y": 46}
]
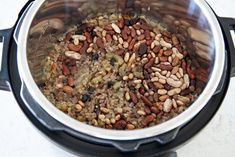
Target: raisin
[
  {"x": 142, "y": 49},
  {"x": 133, "y": 21},
  {"x": 95, "y": 56},
  {"x": 146, "y": 75},
  {"x": 81, "y": 28},
  {"x": 110, "y": 84},
  {"x": 93, "y": 34},
  {"x": 152, "y": 86},
  {"x": 90, "y": 90},
  {"x": 132, "y": 88},
  {"x": 121, "y": 124},
  {"x": 86, "y": 97},
  {"x": 127, "y": 22},
  {"x": 89, "y": 28},
  {"x": 142, "y": 90},
  {"x": 97, "y": 109}
]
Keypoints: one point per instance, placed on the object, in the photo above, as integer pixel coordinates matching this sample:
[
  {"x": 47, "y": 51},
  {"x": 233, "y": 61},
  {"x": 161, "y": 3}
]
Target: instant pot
[{"x": 194, "y": 19}]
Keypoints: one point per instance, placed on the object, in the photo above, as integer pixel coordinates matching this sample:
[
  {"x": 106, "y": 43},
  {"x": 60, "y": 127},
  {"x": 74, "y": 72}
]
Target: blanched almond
[{"x": 116, "y": 28}]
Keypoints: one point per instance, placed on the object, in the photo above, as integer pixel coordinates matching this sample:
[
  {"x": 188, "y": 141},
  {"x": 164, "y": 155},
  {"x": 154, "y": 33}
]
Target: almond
[
  {"x": 167, "y": 52},
  {"x": 148, "y": 119},
  {"x": 133, "y": 32},
  {"x": 157, "y": 48},
  {"x": 147, "y": 34},
  {"x": 141, "y": 37},
  {"x": 136, "y": 26},
  {"x": 158, "y": 85},
  {"x": 149, "y": 64},
  {"x": 120, "y": 52},
  {"x": 166, "y": 34},
  {"x": 132, "y": 43},
  {"x": 174, "y": 70},
  {"x": 149, "y": 42},
  {"x": 127, "y": 30},
  {"x": 175, "y": 40},
  {"x": 88, "y": 37},
  {"x": 146, "y": 101},
  {"x": 124, "y": 35},
  {"x": 175, "y": 61},
  {"x": 84, "y": 48},
  {"x": 108, "y": 28},
  {"x": 155, "y": 110},
  {"x": 163, "y": 97},
  {"x": 147, "y": 110},
  {"x": 108, "y": 38},
  {"x": 167, "y": 67},
  {"x": 68, "y": 36},
  {"x": 99, "y": 42},
  {"x": 120, "y": 23},
  {"x": 65, "y": 69},
  {"x": 53, "y": 67},
  {"x": 163, "y": 59},
  {"x": 168, "y": 40},
  {"x": 133, "y": 97},
  {"x": 73, "y": 47},
  {"x": 129, "y": 39}
]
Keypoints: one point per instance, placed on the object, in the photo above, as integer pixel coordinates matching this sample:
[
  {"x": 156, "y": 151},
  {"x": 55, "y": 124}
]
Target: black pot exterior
[
  {"x": 86, "y": 146},
  {"x": 5, "y": 37},
  {"x": 89, "y": 146}
]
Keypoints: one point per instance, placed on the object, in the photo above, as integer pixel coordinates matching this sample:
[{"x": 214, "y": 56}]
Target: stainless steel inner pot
[{"x": 192, "y": 19}]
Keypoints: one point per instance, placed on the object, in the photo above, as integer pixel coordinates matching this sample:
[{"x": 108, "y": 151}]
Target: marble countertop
[{"x": 19, "y": 138}]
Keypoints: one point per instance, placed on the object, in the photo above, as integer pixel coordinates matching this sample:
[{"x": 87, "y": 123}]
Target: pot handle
[
  {"x": 5, "y": 36},
  {"x": 228, "y": 27},
  {"x": 5, "y": 39}
]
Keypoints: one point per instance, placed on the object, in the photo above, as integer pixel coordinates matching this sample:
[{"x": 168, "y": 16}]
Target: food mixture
[{"x": 119, "y": 72}]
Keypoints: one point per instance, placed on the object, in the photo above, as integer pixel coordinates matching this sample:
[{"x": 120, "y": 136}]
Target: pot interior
[{"x": 184, "y": 18}]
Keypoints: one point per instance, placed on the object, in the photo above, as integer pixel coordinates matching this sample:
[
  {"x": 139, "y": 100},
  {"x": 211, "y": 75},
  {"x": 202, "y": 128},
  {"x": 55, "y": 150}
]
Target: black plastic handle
[
  {"x": 227, "y": 25},
  {"x": 5, "y": 41},
  {"x": 5, "y": 36}
]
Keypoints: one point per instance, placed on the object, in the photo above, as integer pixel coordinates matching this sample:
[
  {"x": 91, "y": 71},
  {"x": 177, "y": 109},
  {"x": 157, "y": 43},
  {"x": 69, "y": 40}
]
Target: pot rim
[{"x": 121, "y": 135}]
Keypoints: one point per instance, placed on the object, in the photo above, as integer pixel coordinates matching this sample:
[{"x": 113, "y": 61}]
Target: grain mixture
[{"x": 119, "y": 72}]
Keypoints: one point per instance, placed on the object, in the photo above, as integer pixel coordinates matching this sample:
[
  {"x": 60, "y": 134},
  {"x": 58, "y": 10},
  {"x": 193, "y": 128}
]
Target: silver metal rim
[{"x": 124, "y": 134}]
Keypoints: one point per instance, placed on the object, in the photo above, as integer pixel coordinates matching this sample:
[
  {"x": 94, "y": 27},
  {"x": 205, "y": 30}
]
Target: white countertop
[{"x": 18, "y": 138}]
